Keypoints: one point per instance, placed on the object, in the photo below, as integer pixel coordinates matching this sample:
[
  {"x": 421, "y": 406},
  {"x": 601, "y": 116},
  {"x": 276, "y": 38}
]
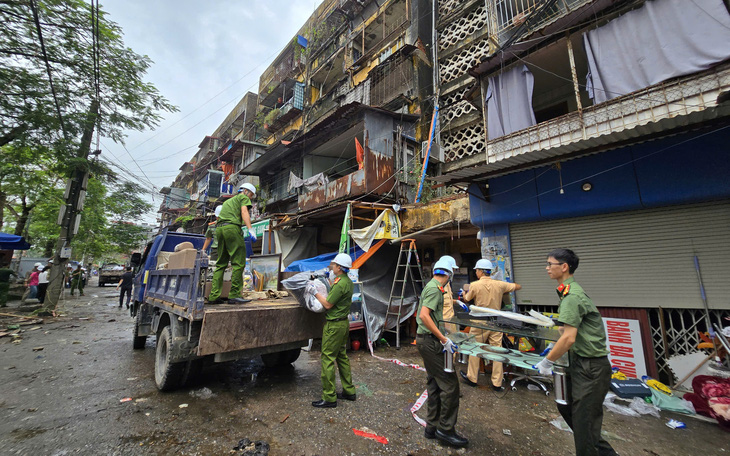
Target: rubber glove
[
  {"x": 252, "y": 235},
  {"x": 547, "y": 349},
  {"x": 311, "y": 289},
  {"x": 450, "y": 345},
  {"x": 461, "y": 294},
  {"x": 545, "y": 367},
  {"x": 463, "y": 306}
]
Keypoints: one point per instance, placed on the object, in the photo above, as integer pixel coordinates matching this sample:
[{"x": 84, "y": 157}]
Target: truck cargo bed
[{"x": 256, "y": 324}]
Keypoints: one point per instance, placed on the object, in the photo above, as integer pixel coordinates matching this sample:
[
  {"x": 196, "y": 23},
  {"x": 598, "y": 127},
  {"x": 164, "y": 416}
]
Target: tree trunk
[{"x": 23, "y": 217}]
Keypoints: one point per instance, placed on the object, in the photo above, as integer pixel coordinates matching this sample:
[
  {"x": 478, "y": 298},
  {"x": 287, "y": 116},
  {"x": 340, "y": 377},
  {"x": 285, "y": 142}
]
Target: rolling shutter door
[{"x": 632, "y": 259}]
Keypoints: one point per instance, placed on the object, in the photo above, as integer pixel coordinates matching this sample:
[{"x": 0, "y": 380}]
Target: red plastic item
[
  {"x": 370, "y": 435},
  {"x": 356, "y": 345}
]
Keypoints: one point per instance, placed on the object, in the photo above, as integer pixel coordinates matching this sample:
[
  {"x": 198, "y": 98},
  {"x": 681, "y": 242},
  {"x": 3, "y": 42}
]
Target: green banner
[
  {"x": 344, "y": 237},
  {"x": 258, "y": 228}
]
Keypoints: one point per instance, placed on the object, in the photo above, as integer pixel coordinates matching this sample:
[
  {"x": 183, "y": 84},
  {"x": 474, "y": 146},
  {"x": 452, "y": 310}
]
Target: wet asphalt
[{"x": 66, "y": 389}]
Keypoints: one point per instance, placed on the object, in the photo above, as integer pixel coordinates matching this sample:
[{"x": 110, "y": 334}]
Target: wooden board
[{"x": 257, "y": 324}]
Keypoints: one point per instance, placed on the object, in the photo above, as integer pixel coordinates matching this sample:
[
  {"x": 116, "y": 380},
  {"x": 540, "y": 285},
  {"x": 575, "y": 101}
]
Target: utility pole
[{"x": 70, "y": 214}]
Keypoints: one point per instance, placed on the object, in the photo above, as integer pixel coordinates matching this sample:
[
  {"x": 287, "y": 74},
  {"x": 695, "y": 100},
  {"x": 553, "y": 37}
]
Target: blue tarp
[
  {"x": 12, "y": 242},
  {"x": 319, "y": 262}
]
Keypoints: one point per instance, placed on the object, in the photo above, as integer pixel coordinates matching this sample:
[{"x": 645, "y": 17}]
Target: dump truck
[
  {"x": 169, "y": 304},
  {"x": 110, "y": 273}
]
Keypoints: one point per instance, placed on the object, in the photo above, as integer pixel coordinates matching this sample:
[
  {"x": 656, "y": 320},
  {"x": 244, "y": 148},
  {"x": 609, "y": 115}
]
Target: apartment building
[{"x": 600, "y": 126}]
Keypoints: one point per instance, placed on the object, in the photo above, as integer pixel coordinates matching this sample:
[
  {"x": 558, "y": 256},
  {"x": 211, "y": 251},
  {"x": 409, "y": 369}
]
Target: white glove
[
  {"x": 545, "y": 367},
  {"x": 252, "y": 235},
  {"x": 311, "y": 289},
  {"x": 450, "y": 345}
]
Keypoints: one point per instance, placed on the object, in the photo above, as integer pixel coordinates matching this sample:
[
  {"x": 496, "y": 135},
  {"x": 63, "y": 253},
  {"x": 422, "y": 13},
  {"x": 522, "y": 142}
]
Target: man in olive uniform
[
  {"x": 589, "y": 373},
  {"x": 449, "y": 296},
  {"x": 488, "y": 293},
  {"x": 210, "y": 241},
  {"x": 334, "y": 335},
  {"x": 77, "y": 281},
  {"x": 442, "y": 387},
  {"x": 231, "y": 245},
  {"x": 5, "y": 274}
]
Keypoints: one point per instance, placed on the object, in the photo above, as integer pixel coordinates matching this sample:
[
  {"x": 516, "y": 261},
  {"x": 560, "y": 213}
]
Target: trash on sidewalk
[
  {"x": 284, "y": 419},
  {"x": 616, "y": 408},
  {"x": 532, "y": 387},
  {"x": 249, "y": 447},
  {"x": 674, "y": 424},
  {"x": 560, "y": 423},
  {"x": 203, "y": 393},
  {"x": 37, "y": 349},
  {"x": 126, "y": 399},
  {"x": 506, "y": 432},
  {"x": 370, "y": 435},
  {"x": 183, "y": 405}
]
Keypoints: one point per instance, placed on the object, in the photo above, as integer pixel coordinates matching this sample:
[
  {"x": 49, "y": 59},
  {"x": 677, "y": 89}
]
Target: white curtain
[
  {"x": 509, "y": 102},
  {"x": 661, "y": 40}
]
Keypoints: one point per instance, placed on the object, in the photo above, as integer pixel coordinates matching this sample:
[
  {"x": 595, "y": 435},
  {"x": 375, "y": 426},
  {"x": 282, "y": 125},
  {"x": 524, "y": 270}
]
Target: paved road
[{"x": 65, "y": 399}]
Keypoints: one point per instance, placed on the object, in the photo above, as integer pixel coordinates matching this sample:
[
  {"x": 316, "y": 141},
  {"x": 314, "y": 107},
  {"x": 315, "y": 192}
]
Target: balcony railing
[
  {"x": 506, "y": 16},
  {"x": 684, "y": 97}
]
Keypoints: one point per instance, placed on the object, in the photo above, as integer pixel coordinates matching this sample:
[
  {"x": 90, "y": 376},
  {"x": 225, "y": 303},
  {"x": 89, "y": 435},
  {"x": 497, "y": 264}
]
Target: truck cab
[{"x": 170, "y": 305}]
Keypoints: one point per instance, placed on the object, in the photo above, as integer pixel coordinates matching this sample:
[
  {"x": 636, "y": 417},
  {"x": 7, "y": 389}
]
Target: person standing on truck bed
[
  {"x": 126, "y": 284},
  {"x": 231, "y": 246},
  {"x": 210, "y": 240},
  {"x": 335, "y": 333}
]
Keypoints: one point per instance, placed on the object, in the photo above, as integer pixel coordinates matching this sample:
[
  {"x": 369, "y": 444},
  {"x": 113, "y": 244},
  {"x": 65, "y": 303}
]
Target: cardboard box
[
  {"x": 184, "y": 259},
  {"x": 225, "y": 289}
]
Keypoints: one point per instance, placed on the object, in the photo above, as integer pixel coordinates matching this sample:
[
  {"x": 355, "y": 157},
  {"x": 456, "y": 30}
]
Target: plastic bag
[
  {"x": 560, "y": 423},
  {"x": 616, "y": 408},
  {"x": 311, "y": 302},
  {"x": 297, "y": 286},
  {"x": 640, "y": 406}
]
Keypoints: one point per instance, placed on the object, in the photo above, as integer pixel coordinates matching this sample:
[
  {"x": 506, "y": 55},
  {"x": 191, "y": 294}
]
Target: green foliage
[
  {"x": 412, "y": 176},
  {"x": 271, "y": 116},
  {"x": 184, "y": 220},
  {"x": 27, "y": 107}
]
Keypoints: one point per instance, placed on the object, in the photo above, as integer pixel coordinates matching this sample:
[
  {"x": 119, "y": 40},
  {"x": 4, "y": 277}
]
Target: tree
[
  {"x": 26, "y": 174},
  {"x": 66, "y": 73},
  {"x": 28, "y": 108}
]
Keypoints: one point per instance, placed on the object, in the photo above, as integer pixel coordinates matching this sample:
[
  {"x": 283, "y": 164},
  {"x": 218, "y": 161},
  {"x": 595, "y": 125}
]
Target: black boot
[
  {"x": 324, "y": 404},
  {"x": 451, "y": 438}
]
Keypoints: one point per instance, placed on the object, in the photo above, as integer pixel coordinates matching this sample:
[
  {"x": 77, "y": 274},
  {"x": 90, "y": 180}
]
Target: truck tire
[
  {"x": 279, "y": 359},
  {"x": 138, "y": 342},
  {"x": 167, "y": 374}
]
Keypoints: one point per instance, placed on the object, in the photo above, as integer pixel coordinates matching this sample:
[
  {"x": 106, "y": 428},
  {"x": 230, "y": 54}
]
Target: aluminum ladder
[{"x": 407, "y": 270}]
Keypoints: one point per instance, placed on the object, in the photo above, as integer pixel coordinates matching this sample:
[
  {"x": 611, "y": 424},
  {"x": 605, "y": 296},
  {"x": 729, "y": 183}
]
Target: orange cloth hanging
[{"x": 360, "y": 154}]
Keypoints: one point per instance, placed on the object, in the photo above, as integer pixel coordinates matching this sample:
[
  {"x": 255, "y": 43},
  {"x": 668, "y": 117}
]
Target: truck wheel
[
  {"x": 282, "y": 358},
  {"x": 167, "y": 374},
  {"x": 138, "y": 341}
]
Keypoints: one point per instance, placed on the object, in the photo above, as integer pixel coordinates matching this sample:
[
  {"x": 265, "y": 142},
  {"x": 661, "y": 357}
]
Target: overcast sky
[{"x": 207, "y": 55}]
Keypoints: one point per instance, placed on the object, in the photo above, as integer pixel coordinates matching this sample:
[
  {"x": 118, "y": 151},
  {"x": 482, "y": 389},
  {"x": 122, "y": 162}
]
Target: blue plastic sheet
[{"x": 319, "y": 262}]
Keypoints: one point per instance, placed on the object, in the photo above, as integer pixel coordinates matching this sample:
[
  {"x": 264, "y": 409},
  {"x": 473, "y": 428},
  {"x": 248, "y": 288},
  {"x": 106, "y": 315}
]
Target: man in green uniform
[
  {"x": 334, "y": 335},
  {"x": 442, "y": 386},
  {"x": 210, "y": 240},
  {"x": 77, "y": 281},
  {"x": 231, "y": 245},
  {"x": 5, "y": 274},
  {"x": 589, "y": 372}
]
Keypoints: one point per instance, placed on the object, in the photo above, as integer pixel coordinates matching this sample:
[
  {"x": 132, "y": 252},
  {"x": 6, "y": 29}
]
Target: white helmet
[
  {"x": 484, "y": 264},
  {"x": 247, "y": 186},
  {"x": 444, "y": 265},
  {"x": 37, "y": 265},
  {"x": 218, "y": 211},
  {"x": 449, "y": 259},
  {"x": 343, "y": 260}
]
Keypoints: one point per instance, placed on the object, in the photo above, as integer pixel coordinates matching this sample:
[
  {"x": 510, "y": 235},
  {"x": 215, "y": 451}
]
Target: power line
[{"x": 48, "y": 65}]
